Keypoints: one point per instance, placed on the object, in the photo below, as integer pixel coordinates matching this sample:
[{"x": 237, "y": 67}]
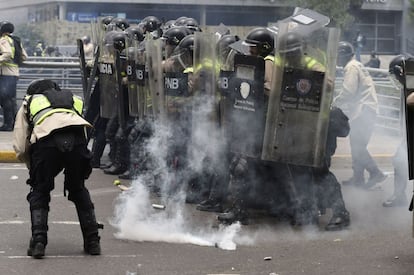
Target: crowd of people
[
  {"x": 189, "y": 110},
  {"x": 297, "y": 193}
]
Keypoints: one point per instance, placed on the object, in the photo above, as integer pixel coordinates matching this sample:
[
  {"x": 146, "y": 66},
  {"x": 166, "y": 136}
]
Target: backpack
[{"x": 18, "y": 51}]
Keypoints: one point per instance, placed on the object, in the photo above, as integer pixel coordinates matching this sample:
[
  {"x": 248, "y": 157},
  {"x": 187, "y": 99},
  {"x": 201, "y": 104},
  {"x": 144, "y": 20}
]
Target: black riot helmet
[
  {"x": 291, "y": 43},
  {"x": 6, "y": 27},
  {"x": 263, "y": 39},
  {"x": 86, "y": 39},
  {"x": 120, "y": 23},
  {"x": 226, "y": 40},
  {"x": 187, "y": 43},
  {"x": 167, "y": 25},
  {"x": 345, "y": 53},
  {"x": 345, "y": 49},
  {"x": 192, "y": 24},
  {"x": 180, "y": 21},
  {"x": 185, "y": 51},
  {"x": 174, "y": 35},
  {"x": 135, "y": 33},
  {"x": 151, "y": 23},
  {"x": 397, "y": 67},
  {"x": 38, "y": 86},
  {"x": 106, "y": 21},
  {"x": 108, "y": 39},
  {"x": 223, "y": 44},
  {"x": 119, "y": 41}
]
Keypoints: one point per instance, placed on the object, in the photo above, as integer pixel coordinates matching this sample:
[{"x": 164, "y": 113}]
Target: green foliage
[{"x": 411, "y": 11}]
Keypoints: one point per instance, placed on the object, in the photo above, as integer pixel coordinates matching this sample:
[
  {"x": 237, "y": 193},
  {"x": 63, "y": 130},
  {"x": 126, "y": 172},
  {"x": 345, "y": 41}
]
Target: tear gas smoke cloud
[{"x": 135, "y": 219}]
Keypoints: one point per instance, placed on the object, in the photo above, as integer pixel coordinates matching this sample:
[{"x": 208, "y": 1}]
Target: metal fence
[{"x": 66, "y": 72}]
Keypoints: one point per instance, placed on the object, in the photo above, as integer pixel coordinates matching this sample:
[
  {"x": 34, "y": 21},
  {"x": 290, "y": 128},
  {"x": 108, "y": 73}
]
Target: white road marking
[
  {"x": 52, "y": 222},
  {"x": 70, "y": 256},
  {"x": 94, "y": 192}
]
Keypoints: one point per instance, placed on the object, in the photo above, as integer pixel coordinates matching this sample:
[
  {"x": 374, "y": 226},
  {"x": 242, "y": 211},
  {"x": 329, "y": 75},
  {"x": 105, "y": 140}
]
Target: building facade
[{"x": 385, "y": 23}]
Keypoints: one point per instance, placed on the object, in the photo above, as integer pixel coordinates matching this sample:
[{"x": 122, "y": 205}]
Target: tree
[{"x": 411, "y": 11}]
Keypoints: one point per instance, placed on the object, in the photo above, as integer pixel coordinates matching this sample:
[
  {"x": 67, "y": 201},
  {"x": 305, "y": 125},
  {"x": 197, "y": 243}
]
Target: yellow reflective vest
[
  {"x": 39, "y": 107},
  {"x": 13, "y": 50},
  {"x": 308, "y": 61}
]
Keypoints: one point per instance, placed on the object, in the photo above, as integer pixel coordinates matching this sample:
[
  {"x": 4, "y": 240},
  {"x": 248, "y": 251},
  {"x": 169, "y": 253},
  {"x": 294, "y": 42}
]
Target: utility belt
[{"x": 65, "y": 139}]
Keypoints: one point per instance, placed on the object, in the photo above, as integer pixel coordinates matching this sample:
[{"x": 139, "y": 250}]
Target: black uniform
[{"x": 63, "y": 149}]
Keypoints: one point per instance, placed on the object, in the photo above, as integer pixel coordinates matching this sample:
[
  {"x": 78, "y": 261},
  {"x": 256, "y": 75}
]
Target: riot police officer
[
  {"x": 329, "y": 192},
  {"x": 49, "y": 136},
  {"x": 172, "y": 37},
  {"x": 152, "y": 25},
  {"x": 243, "y": 169},
  {"x": 9, "y": 75},
  {"x": 120, "y": 123},
  {"x": 219, "y": 183}
]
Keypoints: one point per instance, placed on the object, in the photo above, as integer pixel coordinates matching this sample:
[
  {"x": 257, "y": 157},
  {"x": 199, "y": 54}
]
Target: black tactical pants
[{"x": 47, "y": 161}]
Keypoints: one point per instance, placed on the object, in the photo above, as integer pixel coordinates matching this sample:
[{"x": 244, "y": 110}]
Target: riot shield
[
  {"x": 120, "y": 100},
  {"x": 204, "y": 101},
  {"x": 247, "y": 105},
  {"x": 304, "y": 21},
  {"x": 409, "y": 114},
  {"x": 107, "y": 78},
  {"x": 84, "y": 76},
  {"x": 206, "y": 71},
  {"x": 301, "y": 94},
  {"x": 135, "y": 72},
  {"x": 155, "y": 77}
]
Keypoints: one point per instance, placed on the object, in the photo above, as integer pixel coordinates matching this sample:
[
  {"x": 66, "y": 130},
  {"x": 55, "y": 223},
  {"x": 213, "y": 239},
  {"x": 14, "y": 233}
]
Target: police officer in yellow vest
[
  {"x": 261, "y": 44},
  {"x": 49, "y": 136},
  {"x": 9, "y": 73}
]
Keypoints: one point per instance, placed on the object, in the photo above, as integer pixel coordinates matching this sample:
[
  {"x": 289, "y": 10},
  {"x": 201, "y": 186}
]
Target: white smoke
[{"x": 135, "y": 219}]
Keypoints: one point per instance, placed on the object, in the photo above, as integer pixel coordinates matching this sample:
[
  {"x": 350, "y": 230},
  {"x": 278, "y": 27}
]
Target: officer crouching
[{"x": 49, "y": 136}]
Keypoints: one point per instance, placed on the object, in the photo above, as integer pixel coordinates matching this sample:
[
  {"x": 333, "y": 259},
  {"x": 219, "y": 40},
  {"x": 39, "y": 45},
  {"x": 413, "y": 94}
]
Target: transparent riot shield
[
  {"x": 204, "y": 101},
  {"x": 302, "y": 90},
  {"x": 120, "y": 97},
  {"x": 247, "y": 105},
  {"x": 84, "y": 76},
  {"x": 205, "y": 75},
  {"x": 132, "y": 54},
  {"x": 107, "y": 78},
  {"x": 153, "y": 61},
  {"x": 409, "y": 114},
  {"x": 225, "y": 57}
]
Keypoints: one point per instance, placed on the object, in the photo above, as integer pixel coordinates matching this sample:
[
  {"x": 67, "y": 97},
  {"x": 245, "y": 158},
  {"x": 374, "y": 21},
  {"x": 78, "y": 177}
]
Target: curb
[{"x": 8, "y": 156}]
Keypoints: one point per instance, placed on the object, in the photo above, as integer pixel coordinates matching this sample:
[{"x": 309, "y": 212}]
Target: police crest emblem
[
  {"x": 244, "y": 89},
  {"x": 303, "y": 86}
]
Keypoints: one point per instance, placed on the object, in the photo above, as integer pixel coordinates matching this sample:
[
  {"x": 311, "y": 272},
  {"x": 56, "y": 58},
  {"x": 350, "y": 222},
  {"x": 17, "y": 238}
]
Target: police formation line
[{"x": 237, "y": 124}]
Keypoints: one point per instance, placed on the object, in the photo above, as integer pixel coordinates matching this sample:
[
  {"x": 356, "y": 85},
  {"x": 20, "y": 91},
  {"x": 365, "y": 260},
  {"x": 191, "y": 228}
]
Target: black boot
[
  {"x": 115, "y": 169},
  {"x": 89, "y": 227},
  {"x": 233, "y": 215},
  {"x": 120, "y": 163},
  {"x": 127, "y": 175},
  {"x": 38, "y": 241},
  {"x": 339, "y": 221}
]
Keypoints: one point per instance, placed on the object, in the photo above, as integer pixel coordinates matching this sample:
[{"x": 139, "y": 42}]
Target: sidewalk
[
  {"x": 7, "y": 153},
  {"x": 381, "y": 146}
]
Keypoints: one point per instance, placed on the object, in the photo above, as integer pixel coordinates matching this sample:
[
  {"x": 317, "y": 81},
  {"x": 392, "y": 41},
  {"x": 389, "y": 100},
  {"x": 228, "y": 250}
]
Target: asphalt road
[{"x": 181, "y": 241}]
